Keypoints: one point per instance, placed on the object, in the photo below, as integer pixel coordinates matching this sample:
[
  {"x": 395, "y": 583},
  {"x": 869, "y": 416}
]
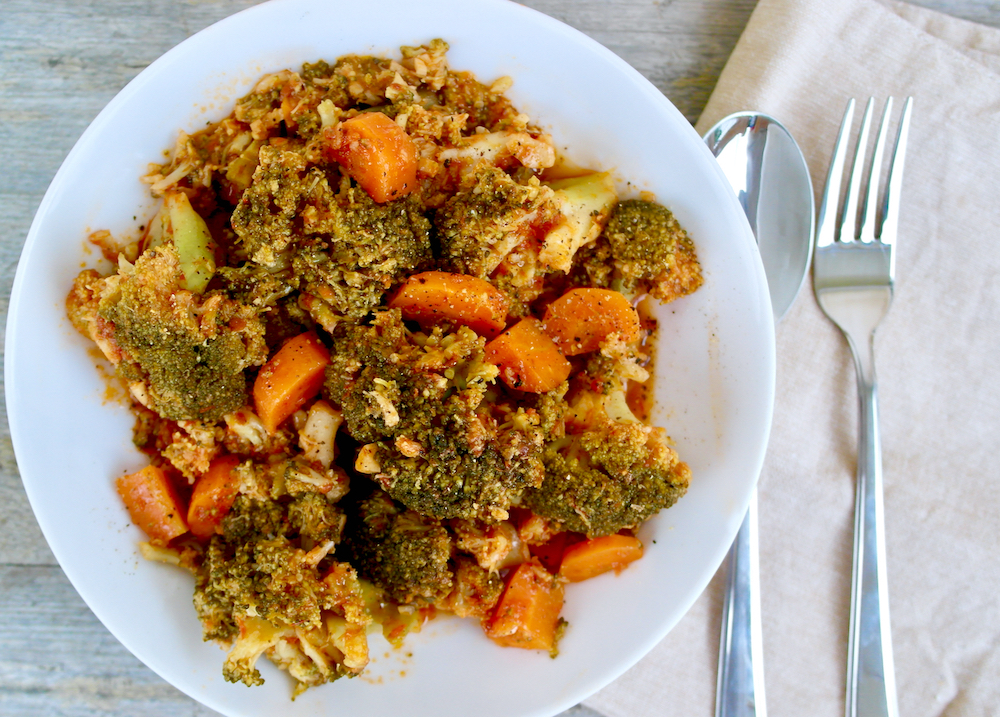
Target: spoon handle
[{"x": 740, "y": 691}]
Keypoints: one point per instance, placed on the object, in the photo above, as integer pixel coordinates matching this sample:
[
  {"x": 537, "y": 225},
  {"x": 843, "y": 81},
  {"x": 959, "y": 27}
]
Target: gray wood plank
[
  {"x": 985, "y": 12},
  {"x": 57, "y": 659}
]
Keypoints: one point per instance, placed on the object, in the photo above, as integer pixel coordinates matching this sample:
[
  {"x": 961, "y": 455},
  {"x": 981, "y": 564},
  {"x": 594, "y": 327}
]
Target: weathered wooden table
[{"x": 61, "y": 61}]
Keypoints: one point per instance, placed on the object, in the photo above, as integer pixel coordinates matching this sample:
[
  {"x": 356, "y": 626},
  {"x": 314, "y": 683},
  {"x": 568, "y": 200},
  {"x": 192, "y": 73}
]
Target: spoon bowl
[{"x": 766, "y": 169}]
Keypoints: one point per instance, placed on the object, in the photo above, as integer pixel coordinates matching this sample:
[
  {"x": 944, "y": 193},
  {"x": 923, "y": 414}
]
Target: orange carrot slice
[
  {"x": 550, "y": 553},
  {"x": 213, "y": 496},
  {"x": 290, "y": 378},
  {"x": 432, "y": 296},
  {"x": 527, "y": 614},
  {"x": 593, "y": 557},
  {"x": 528, "y": 359},
  {"x": 153, "y": 504},
  {"x": 377, "y": 153},
  {"x": 579, "y": 320}
]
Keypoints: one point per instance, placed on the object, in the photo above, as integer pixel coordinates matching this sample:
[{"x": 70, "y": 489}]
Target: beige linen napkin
[{"x": 936, "y": 355}]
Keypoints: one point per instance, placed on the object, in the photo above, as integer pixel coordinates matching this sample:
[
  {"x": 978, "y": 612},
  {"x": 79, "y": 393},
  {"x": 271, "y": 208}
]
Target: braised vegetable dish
[{"x": 385, "y": 359}]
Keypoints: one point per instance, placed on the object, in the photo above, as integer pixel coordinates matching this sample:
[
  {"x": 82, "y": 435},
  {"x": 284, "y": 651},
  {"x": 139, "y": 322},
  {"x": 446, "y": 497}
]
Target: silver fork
[{"x": 853, "y": 275}]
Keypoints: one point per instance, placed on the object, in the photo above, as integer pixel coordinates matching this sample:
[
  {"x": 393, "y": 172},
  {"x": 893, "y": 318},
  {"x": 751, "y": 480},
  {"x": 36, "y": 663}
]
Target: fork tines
[{"x": 874, "y": 225}]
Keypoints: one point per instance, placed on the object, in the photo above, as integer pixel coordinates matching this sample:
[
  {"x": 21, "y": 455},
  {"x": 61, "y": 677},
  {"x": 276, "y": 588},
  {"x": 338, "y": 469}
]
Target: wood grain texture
[{"x": 61, "y": 61}]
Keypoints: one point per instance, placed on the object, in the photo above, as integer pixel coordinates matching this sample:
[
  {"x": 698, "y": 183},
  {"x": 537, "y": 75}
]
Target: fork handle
[
  {"x": 871, "y": 682},
  {"x": 740, "y": 690}
]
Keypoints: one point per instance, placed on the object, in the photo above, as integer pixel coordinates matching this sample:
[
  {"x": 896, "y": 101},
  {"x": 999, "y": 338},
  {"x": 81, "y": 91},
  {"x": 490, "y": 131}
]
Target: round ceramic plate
[{"x": 714, "y": 368}]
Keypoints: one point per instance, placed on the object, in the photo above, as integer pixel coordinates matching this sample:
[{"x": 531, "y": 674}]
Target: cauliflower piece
[
  {"x": 584, "y": 206},
  {"x": 316, "y": 439},
  {"x": 494, "y": 546},
  {"x": 255, "y": 636},
  {"x": 503, "y": 149},
  {"x": 192, "y": 448}
]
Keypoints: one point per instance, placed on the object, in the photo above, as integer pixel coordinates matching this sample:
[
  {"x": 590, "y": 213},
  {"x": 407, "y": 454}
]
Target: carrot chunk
[
  {"x": 153, "y": 504},
  {"x": 593, "y": 557},
  {"x": 376, "y": 153},
  {"x": 550, "y": 553},
  {"x": 528, "y": 359},
  {"x": 579, "y": 320},
  {"x": 290, "y": 378},
  {"x": 527, "y": 614},
  {"x": 431, "y": 296},
  {"x": 213, "y": 496}
]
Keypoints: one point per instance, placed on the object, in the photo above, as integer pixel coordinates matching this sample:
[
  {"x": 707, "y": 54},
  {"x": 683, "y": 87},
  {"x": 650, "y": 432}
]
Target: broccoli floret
[
  {"x": 382, "y": 238},
  {"x": 251, "y": 518},
  {"x": 379, "y": 376},
  {"x": 551, "y": 410},
  {"x": 286, "y": 103},
  {"x": 182, "y": 354},
  {"x": 468, "y": 95},
  {"x": 366, "y": 248},
  {"x": 315, "y": 519},
  {"x": 254, "y": 285},
  {"x": 401, "y": 551},
  {"x": 263, "y": 100},
  {"x": 609, "y": 472},
  {"x": 273, "y": 293},
  {"x": 255, "y": 565},
  {"x": 417, "y": 403},
  {"x": 267, "y": 218},
  {"x": 454, "y": 469},
  {"x": 213, "y": 594},
  {"x": 260, "y": 584},
  {"x": 286, "y": 585},
  {"x": 349, "y": 250},
  {"x": 487, "y": 218},
  {"x": 648, "y": 251},
  {"x": 258, "y": 564}
]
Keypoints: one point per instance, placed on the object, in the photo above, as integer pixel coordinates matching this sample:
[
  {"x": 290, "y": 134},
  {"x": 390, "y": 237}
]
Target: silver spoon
[{"x": 769, "y": 175}]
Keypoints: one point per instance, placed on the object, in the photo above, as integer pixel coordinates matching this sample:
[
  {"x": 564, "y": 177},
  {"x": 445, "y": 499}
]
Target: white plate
[{"x": 715, "y": 363}]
